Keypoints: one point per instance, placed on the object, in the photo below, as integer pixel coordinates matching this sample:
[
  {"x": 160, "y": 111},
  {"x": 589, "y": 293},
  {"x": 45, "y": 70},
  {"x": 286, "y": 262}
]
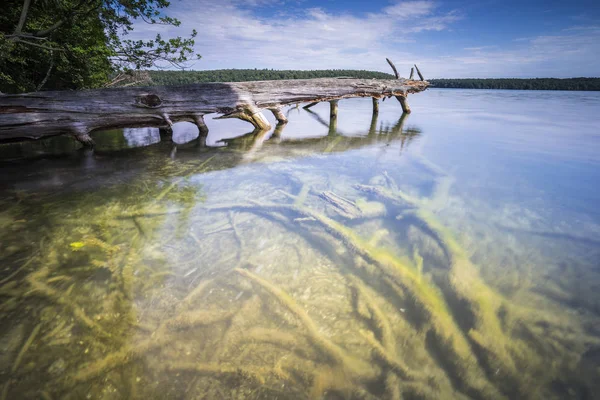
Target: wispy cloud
[
  {"x": 231, "y": 35},
  {"x": 480, "y": 48},
  {"x": 570, "y": 52},
  {"x": 241, "y": 34},
  {"x": 408, "y": 10}
]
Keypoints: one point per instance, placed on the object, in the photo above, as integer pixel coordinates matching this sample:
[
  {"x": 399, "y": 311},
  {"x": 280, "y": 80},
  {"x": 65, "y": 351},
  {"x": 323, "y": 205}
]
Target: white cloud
[
  {"x": 570, "y": 52},
  {"x": 233, "y": 34},
  {"x": 406, "y": 10},
  {"x": 230, "y": 35},
  {"x": 479, "y": 48}
]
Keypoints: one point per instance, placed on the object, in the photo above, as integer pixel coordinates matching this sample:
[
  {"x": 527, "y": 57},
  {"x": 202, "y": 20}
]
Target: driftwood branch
[
  {"x": 43, "y": 114},
  {"x": 279, "y": 115},
  {"x": 199, "y": 121},
  {"x": 375, "y": 105},
  {"x": 404, "y": 104},
  {"x": 393, "y": 68},
  {"x": 419, "y": 73}
]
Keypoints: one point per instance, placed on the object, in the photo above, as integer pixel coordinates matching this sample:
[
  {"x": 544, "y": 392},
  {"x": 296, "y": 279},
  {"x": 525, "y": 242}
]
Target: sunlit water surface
[{"x": 451, "y": 254}]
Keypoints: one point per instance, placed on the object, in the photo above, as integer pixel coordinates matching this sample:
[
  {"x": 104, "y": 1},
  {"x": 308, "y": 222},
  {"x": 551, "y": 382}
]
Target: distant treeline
[
  {"x": 241, "y": 75},
  {"x": 520, "y": 84}
]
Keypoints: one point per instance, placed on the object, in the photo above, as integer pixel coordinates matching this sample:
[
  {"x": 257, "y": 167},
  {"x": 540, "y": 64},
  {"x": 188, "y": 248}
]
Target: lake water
[{"x": 453, "y": 253}]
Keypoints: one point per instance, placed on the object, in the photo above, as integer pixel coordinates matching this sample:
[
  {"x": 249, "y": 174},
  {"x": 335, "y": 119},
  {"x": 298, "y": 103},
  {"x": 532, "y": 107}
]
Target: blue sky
[{"x": 454, "y": 38}]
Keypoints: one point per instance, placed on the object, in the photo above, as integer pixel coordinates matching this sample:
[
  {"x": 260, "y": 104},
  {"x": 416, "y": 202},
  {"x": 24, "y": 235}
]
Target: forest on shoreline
[
  {"x": 579, "y": 84},
  {"x": 160, "y": 78}
]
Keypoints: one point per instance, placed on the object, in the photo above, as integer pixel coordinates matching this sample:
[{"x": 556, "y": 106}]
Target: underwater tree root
[
  {"x": 5, "y": 389},
  {"x": 273, "y": 336},
  {"x": 159, "y": 338},
  {"x": 320, "y": 378},
  {"x": 357, "y": 368},
  {"x": 426, "y": 294},
  {"x": 118, "y": 358},
  {"x": 173, "y": 185},
  {"x": 447, "y": 332},
  {"x": 130, "y": 353},
  {"x": 388, "y": 359},
  {"x": 19, "y": 269},
  {"x": 388, "y": 350},
  {"x": 412, "y": 382},
  {"x": 61, "y": 299},
  {"x": 484, "y": 302},
  {"x": 188, "y": 301},
  {"x": 256, "y": 375},
  {"x": 191, "y": 319},
  {"x": 26, "y": 346}
]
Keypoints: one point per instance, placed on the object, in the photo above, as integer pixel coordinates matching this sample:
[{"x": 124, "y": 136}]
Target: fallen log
[{"x": 43, "y": 114}]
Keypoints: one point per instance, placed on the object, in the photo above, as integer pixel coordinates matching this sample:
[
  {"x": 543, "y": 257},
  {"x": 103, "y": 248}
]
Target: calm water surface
[{"x": 451, "y": 254}]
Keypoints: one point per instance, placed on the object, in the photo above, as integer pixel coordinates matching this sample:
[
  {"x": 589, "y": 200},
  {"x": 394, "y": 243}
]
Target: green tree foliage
[
  {"x": 81, "y": 59},
  {"x": 243, "y": 75},
  {"x": 73, "y": 44},
  {"x": 520, "y": 84}
]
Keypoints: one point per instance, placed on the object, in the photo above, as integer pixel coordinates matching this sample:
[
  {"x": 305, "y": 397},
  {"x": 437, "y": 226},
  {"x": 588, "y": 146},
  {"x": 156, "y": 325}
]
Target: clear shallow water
[{"x": 452, "y": 254}]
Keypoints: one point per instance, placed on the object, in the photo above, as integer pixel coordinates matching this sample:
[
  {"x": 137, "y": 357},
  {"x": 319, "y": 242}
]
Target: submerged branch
[{"x": 335, "y": 353}]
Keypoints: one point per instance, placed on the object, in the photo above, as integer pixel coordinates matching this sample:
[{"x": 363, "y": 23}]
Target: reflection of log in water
[
  {"x": 256, "y": 142},
  {"x": 386, "y": 134}
]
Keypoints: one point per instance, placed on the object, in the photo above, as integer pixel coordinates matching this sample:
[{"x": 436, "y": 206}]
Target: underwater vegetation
[{"x": 289, "y": 285}]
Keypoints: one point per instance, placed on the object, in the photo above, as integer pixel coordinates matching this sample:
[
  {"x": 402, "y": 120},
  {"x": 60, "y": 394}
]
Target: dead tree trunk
[
  {"x": 43, "y": 114},
  {"x": 375, "y": 106}
]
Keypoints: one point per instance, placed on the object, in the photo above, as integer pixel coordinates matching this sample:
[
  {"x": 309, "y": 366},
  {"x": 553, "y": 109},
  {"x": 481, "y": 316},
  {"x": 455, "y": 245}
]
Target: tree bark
[
  {"x": 23, "y": 18},
  {"x": 404, "y": 104},
  {"x": 279, "y": 115},
  {"x": 48, "y": 72},
  {"x": 393, "y": 68},
  {"x": 419, "y": 73},
  {"x": 42, "y": 114}
]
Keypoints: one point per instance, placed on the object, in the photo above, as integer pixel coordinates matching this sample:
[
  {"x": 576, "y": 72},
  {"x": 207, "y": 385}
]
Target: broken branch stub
[
  {"x": 333, "y": 109},
  {"x": 309, "y": 105},
  {"x": 279, "y": 115},
  {"x": 404, "y": 104},
  {"x": 199, "y": 121},
  {"x": 419, "y": 73},
  {"x": 393, "y": 68},
  {"x": 250, "y": 114}
]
